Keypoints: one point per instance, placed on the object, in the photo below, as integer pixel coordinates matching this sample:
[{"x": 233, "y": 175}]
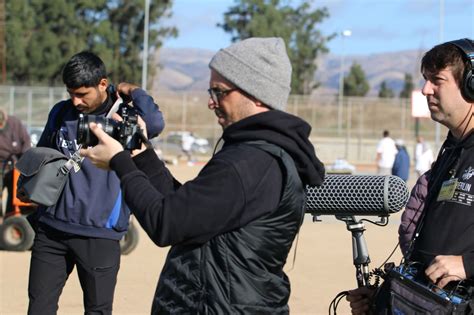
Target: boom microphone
[{"x": 365, "y": 195}]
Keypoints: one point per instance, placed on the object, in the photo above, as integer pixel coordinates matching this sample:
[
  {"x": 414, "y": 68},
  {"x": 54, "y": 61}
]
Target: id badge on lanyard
[{"x": 448, "y": 187}]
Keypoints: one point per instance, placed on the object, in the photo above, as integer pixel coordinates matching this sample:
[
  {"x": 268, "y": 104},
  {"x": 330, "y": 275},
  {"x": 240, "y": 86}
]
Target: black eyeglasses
[{"x": 217, "y": 94}]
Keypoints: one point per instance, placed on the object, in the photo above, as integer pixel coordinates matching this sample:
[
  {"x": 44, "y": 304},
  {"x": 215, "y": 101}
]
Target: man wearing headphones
[{"x": 445, "y": 243}]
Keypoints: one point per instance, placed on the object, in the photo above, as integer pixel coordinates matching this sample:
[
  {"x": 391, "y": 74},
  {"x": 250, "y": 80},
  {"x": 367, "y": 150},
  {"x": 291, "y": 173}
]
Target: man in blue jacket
[
  {"x": 84, "y": 228},
  {"x": 401, "y": 165}
]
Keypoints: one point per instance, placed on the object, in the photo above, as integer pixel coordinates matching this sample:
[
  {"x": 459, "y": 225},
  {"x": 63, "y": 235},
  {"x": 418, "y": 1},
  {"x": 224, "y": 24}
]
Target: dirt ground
[{"x": 321, "y": 268}]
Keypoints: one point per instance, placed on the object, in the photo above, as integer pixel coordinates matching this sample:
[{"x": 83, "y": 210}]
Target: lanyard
[{"x": 437, "y": 173}]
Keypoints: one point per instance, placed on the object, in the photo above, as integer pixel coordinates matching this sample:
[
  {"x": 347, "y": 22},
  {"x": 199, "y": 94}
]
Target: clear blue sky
[{"x": 376, "y": 25}]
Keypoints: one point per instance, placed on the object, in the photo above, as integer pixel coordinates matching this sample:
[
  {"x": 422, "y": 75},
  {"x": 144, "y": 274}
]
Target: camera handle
[{"x": 360, "y": 253}]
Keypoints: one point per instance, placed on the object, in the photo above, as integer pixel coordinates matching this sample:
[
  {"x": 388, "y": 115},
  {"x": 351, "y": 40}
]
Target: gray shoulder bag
[{"x": 44, "y": 173}]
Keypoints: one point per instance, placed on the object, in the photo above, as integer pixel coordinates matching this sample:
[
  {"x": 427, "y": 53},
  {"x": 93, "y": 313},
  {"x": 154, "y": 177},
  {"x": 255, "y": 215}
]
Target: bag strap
[{"x": 74, "y": 161}]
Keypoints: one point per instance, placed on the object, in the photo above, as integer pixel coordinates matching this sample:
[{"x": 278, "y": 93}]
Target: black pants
[{"x": 53, "y": 257}]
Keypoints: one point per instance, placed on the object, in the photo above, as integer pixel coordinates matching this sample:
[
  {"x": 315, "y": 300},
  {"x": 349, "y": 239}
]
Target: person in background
[
  {"x": 14, "y": 141},
  {"x": 401, "y": 165},
  {"x": 231, "y": 228},
  {"x": 84, "y": 228},
  {"x": 14, "y": 138},
  {"x": 187, "y": 141},
  {"x": 423, "y": 157},
  {"x": 386, "y": 152},
  {"x": 420, "y": 141}
]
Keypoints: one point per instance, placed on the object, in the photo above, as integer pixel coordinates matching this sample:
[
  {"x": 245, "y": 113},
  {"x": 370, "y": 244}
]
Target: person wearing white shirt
[
  {"x": 186, "y": 146},
  {"x": 423, "y": 157},
  {"x": 386, "y": 151}
]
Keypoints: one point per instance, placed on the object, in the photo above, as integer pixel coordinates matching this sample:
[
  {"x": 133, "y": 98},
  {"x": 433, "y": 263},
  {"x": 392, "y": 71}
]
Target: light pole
[
  {"x": 344, "y": 34},
  {"x": 145, "y": 45}
]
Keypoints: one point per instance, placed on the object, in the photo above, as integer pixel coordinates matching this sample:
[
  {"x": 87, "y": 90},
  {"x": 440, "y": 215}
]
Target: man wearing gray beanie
[
  {"x": 230, "y": 228},
  {"x": 258, "y": 66}
]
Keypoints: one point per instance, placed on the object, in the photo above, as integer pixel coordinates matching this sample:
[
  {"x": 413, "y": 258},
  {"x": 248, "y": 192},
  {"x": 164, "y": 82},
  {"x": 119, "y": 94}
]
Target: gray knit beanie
[{"x": 258, "y": 66}]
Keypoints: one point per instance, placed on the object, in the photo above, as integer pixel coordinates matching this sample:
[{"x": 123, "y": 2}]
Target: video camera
[{"x": 127, "y": 131}]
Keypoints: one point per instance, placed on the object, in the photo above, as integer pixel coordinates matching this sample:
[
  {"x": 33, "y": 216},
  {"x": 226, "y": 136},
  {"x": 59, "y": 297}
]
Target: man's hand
[
  {"x": 126, "y": 88},
  {"x": 142, "y": 125},
  {"x": 444, "y": 269},
  {"x": 360, "y": 300},
  {"x": 101, "y": 154}
]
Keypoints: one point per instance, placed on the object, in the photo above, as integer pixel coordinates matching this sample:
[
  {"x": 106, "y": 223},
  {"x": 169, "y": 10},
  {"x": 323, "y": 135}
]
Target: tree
[
  {"x": 43, "y": 34},
  {"x": 408, "y": 86},
  {"x": 122, "y": 36},
  {"x": 296, "y": 25},
  {"x": 40, "y": 35},
  {"x": 355, "y": 83},
  {"x": 385, "y": 91}
]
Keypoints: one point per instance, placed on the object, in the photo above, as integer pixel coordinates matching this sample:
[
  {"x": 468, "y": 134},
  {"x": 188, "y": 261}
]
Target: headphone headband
[{"x": 465, "y": 45}]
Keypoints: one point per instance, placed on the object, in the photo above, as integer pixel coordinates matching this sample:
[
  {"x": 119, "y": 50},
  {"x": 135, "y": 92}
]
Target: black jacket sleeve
[{"x": 218, "y": 200}]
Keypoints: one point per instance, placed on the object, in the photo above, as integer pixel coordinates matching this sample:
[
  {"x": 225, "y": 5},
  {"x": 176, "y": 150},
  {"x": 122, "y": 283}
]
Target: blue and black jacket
[{"x": 91, "y": 204}]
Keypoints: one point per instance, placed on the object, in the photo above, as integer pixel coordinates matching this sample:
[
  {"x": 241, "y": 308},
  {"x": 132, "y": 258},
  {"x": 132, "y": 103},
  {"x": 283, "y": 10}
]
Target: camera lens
[{"x": 85, "y": 136}]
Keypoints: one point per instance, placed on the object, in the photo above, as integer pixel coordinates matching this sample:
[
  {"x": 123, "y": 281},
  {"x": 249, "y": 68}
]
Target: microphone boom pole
[
  {"x": 360, "y": 252},
  {"x": 345, "y": 196}
]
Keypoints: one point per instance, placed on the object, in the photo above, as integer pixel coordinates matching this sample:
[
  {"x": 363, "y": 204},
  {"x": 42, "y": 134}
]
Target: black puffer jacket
[{"x": 231, "y": 227}]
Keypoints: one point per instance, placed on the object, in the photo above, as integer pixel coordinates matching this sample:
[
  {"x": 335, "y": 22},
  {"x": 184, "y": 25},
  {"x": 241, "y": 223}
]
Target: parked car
[
  {"x": 172, "y": 143},
  {"x": 35, "y": 134},
  {"x": 340, "y": 166}
]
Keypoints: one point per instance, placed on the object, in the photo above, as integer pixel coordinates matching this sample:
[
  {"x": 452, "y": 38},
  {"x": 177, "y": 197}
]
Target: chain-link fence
[{"x": 348, "y": 129}]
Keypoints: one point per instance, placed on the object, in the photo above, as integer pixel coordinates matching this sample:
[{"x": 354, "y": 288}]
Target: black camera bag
[{"x": 43, "y": 175}]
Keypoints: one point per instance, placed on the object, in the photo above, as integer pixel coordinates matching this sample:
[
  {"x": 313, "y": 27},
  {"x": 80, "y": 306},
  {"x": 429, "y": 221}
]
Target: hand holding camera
[
  {"x": 125, "y": 90},
  {"x": 107, "y": 147},
  {"x": 127, "y": 131},
  {"x": 126, "y": 128}
]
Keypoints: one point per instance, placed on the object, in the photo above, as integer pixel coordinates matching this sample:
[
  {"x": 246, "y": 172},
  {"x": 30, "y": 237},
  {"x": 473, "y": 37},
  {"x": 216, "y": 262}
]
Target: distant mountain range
[{"x": 187, "y": 70}]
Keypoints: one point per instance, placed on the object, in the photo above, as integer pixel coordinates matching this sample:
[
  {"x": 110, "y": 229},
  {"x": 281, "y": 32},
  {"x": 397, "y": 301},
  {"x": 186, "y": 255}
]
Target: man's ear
[
  {"x": 103, "y": 84},
  {"x": 257, "y": 102},
  {"x": 260, "y": 105}
]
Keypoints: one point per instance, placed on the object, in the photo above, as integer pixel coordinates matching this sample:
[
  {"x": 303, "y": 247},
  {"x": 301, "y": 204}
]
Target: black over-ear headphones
[{"x": 467, "y": 48}]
